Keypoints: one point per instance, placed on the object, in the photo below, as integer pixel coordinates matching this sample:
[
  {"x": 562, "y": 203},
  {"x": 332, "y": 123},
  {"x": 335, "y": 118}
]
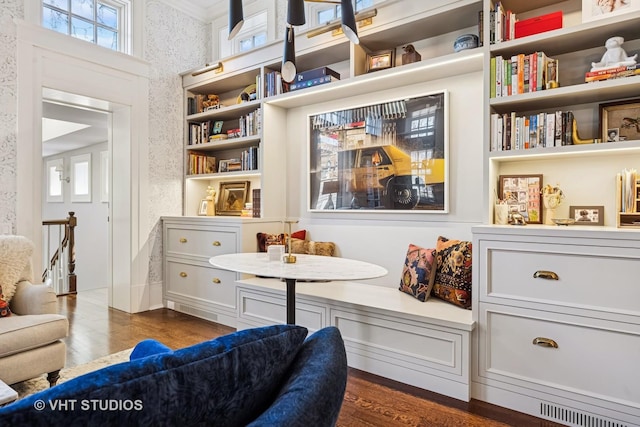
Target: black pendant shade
[
  {"x": 349, "y": 21},
  {"x": 288, "y": 70},
  {"x": 295, "y": 12},
  {"x": 236, "y": 17}
]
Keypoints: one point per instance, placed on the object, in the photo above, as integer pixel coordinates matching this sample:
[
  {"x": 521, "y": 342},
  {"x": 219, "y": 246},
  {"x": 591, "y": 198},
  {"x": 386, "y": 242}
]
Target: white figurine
[{"x": 615, "y": 56}]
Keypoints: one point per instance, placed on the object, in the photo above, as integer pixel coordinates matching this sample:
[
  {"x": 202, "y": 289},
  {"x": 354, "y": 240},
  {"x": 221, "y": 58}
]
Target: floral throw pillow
[
  {"x": 4, "y": 306},
  {"x": 418, "y": 272},
  {"x": 453, "y": 274}
]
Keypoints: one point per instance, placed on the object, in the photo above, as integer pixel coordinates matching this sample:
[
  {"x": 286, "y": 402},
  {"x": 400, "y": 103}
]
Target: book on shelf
[
  {"x": 256, "y": 200},
  {"x": 201, "y": 164},
  {"x": 522, "y": 73},
  {"x": 316, "y": 73},
  {"x": 297, "y": 85},
  {"x": 612, "y": 73},
  {"x": 510, "y": 131}
]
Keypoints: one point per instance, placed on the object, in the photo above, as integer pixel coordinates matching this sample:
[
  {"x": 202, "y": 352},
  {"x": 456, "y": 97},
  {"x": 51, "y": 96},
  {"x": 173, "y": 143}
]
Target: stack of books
[
  {"x": 612, "y": 73},
  {"x": 315, "y": 77}
]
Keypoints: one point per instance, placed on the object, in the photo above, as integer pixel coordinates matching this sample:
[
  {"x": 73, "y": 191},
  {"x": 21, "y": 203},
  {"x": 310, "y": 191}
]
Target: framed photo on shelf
[
  {"x": 380, "y": 60},
  {"x": 223, "y": 166},
  {"x": 232, "y": 197},
  {"x": 522, "y": 193},
  {"x": 386, "y": 157},
  {"x": 620, "y": 121},
  {"x": 202, "y": 208},
  {"x": 587, "y": 215},
  {"x": 600, "y": 9}
]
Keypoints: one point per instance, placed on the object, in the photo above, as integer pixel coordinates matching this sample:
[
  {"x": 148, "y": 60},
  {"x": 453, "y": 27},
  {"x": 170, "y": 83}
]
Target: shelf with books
[{"x": 600, "y": 150}]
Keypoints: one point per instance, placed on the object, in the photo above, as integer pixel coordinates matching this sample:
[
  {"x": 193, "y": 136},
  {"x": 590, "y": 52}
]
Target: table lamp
[{"x": 289, "y": 259}]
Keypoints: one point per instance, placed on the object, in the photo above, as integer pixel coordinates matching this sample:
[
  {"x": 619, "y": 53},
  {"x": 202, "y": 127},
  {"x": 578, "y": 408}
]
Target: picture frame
[
  {"x": 223, "y": 166},
  {"x": 522, "y": 193},
  {"x": 598, "y": 9},
  {"x": 619, "y": 121},
  {"x": 202, "y": 207},
  {"x": 389, "y": 157},
  {"x": 232, "y": 197},
  {"x": 587, "y": 215},
  {"x": 380, "y": 60}
]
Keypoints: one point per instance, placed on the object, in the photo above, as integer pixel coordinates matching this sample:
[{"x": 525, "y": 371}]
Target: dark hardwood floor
[{"x": 96, "y": 330}]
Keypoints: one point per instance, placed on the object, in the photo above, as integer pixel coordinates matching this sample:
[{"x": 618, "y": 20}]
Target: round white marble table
[{"x": 306, "y": 267}]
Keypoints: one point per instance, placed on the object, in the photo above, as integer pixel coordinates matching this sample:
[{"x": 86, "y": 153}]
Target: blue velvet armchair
[{"x": 270, "y": 376}]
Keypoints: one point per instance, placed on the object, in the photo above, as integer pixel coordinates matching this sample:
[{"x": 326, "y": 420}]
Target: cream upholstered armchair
[{"x": 30, "y": 328}]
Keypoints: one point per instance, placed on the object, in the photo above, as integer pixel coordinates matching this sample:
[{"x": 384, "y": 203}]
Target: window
[
  {"x": 55, "y": 177},
  {"x": 334, "y": 12},
  {"x": 103, "y": 22},
  {"x": 81, "y": 178},
  {"x": 252, "y": 41},
  {"x": 252, "y": 34}
]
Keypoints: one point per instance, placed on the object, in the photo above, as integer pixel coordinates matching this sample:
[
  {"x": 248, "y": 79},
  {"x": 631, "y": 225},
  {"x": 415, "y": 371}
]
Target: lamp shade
[
  {"x": 288, "y": 70},
  {"x": 236, "y": 17},
  {"x": 349, "y": 21},
  {"x": 295, "y": 12}
]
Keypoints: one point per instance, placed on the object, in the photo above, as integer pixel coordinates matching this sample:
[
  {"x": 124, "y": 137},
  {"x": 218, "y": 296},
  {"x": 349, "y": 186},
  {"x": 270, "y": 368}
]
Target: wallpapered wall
[
  {"x": 173, "y": 42},
  {"x": 9, "y": 10}
]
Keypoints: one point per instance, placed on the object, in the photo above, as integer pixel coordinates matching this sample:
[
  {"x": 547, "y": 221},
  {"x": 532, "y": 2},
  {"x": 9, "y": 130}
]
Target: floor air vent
[{"x": 575, "y": 418}]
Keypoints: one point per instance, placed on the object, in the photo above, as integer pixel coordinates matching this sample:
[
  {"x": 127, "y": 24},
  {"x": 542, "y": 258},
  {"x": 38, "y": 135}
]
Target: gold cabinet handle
[
  {"x": 216, "y": 280},
  {"x": 216, "y": 243},
  {"x": 183, "y": 274},
  {"x": 545, "y": 342},
  {"x": 543, "y": 274},
  {"x": 183, "y": 240}
]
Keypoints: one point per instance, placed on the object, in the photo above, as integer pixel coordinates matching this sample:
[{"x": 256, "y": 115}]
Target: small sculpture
[
  {"x": 212, "y": 101},
  {"x": 410, "y": 55},
  {"x": 615, "y": 56}
]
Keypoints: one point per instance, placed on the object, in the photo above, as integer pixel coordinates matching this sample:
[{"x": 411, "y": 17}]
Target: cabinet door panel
[
  {"x": 208, "y": 284},
  {"x": 593, "y": 357},
  {"x": 564, "y": 277},
  {"x": 197, "y": 242}
]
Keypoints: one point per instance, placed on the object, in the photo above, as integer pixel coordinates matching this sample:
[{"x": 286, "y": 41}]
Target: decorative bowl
[
  {"x": 563, "y": 221},
  {"x": 465, "y": 41}
]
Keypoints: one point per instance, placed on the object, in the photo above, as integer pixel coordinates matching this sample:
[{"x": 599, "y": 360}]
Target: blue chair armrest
[{"x": 148, "y": 348}]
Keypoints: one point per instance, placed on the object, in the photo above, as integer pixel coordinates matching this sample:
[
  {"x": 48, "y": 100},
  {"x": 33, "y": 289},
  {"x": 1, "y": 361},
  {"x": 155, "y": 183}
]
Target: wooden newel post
[{"x": 72, "y": 222}]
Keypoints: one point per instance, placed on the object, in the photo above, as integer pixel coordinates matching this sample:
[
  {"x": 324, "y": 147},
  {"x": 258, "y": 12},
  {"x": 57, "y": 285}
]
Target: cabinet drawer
[
  {"x": 193, "y": 281},
  {"x": 203, "y": 243},
  {"x": 593, "y": 357},
  {"x": 559, "y": 275}
]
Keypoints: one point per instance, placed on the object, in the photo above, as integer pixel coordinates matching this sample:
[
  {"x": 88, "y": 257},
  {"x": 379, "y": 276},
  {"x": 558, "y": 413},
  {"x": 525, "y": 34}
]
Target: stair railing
[{"x": 60, "y": 266}]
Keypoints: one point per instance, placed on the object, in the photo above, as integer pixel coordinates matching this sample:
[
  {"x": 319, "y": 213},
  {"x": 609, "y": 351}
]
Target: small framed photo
[
  {"x": 522, "y": 193},
  {"x": 380, "y": 60},
  {"x": 202, "y": 208},
  {"x": 223, "y": 166},
  {"x": 217, "y": 127},
  {"x": 620, "y": 121},
  {"x": 587, "y": 215},
  {"x": 600, "y": 9},
  {"x": 233, "y": 196}
]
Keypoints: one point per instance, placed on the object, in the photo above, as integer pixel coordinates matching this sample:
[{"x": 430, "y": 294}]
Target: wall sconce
[
  {"x": 208, "y": 67},
  {"x": 362, "y": 18},
  {"x": 60, "y": 172}
]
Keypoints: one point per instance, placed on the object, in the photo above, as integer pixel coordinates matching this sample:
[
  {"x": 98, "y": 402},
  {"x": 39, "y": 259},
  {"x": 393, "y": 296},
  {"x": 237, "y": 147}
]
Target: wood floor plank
[{"x": 370, "y": 400}]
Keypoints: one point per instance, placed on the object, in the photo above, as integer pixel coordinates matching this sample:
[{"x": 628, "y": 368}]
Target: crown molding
[{"x": 196, "y": 11}]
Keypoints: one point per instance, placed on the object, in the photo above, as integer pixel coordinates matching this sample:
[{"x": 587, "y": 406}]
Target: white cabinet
[
  {"x": 558, "y": 322},
  {"x": 191, "y": 284}
]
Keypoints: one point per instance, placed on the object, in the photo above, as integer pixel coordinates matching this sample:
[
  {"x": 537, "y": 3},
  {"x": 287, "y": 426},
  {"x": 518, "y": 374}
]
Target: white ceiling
[{"x": 77, "y": 127}]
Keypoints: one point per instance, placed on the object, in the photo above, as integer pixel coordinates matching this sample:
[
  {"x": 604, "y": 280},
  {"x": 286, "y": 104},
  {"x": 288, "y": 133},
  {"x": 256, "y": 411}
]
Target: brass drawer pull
[
  {"x": 216, "y": 280},
  {"x": 543, "y": 274},
  {"x": 183, "y": 274},
  {"x": 183, "y": 240},
  {"x": 545, "y": 342},
  {"x": 216, "y": 243}
]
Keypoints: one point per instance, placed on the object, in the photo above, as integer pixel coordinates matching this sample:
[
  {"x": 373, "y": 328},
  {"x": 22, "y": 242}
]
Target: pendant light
[
  {"x": 288, "y": 70},
  {"x": 236, "y": 17},
  {"x": 349, "y": 21},
  {"x": 295, "y": 12}
]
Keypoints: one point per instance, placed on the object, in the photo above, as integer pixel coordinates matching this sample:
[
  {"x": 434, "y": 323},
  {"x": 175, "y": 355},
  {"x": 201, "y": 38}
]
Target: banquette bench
[{"x": 386, "y": 332}]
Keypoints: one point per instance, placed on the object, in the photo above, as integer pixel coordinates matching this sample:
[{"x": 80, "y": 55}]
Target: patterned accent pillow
[
  {"x": 453, "y": 275},
  {"x": 4, "y": 306},
  {"x": 418, "y": 272},
  {"x": 265, "y": 240}
]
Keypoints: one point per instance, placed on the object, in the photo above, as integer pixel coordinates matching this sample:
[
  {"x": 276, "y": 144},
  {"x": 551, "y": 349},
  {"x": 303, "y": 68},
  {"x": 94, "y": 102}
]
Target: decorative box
[{"x": 539, "y": 24}]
